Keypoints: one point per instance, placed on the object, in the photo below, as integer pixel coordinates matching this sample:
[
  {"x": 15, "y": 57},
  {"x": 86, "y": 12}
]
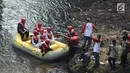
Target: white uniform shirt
[
  {"x": 97, "y": 47},
  {"x": 88, "y": 30}
]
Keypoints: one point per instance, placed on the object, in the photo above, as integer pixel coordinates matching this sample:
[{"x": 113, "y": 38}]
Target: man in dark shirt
[{"x": 22, "y": 30}]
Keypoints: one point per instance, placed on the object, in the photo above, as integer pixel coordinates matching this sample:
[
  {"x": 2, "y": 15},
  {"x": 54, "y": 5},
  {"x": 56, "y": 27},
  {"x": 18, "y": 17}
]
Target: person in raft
[
  {"x": 50, "y": 34},
  {"x": 22, "y": 30},
  {"x": 41, "y": 35},
  {"x": 39, "y": 27},
  {"x": 36, "y": 39},
  {"x": 45, "y": 46}
]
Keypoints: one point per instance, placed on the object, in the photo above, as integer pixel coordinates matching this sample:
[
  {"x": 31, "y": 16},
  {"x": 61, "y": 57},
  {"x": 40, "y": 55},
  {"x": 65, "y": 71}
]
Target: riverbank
[{"x": 110, "y": 24}]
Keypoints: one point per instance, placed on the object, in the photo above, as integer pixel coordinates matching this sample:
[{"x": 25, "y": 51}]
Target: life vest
[
  {"x": 72, "y": 33},
  {"x": 41, "y": 30},
  {"x": 69, "y": 35},
  {"x": 38, "y": 29},
  {"x": 45, "y": 34},
  {"x": 35, "y": 38},
  {"x": 48, "y": 29},
  {"x": 45, "y": 45},
  {"x": 74, "y": 40},
  {"x": 49, "y": 35},
  {"x": 23, "y": 25},
  {"x": 42, "y": 37}
]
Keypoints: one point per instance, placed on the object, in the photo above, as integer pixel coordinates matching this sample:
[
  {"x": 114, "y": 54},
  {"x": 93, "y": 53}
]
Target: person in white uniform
[{"x": 87, "y": 33}]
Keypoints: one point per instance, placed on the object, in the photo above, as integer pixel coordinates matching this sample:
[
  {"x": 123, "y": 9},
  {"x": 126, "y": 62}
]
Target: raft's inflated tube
[{"x": 59, "y": 49}]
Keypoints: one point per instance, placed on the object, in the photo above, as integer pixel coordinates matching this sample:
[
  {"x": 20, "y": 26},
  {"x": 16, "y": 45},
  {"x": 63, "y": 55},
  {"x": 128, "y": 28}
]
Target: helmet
[
  {"x": 39, "y": 24},
  {"x": 48, "y": 29},
  {"x": 23, "y": 20},
  {"x": 41, "y": 30},
  {"x": 35, "y": 32},
  {"x": 47, "y": 41},
  {"x": 69, "y": 27}
]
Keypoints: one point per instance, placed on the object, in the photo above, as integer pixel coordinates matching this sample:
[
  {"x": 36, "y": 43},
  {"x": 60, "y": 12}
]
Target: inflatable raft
[{"x": 59, "y": 49}]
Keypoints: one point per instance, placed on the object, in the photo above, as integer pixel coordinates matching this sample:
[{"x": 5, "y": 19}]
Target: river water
[{"x": 53, "y": 13}]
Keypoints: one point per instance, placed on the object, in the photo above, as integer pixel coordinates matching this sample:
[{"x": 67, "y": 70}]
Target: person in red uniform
[
  {"x": 42, "y": 37},
  {"x": 22, "y": 30},
  {"x": 45, "y": 46},
  {"x": 35, "y": 38},
  {"x": 39, "y": 27},
  {"x": 72, "y": 36},
  {"x": 50, "y": 34},
  {"x": 72, "y": 39},
  {"x": 45, "y": 34}
]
